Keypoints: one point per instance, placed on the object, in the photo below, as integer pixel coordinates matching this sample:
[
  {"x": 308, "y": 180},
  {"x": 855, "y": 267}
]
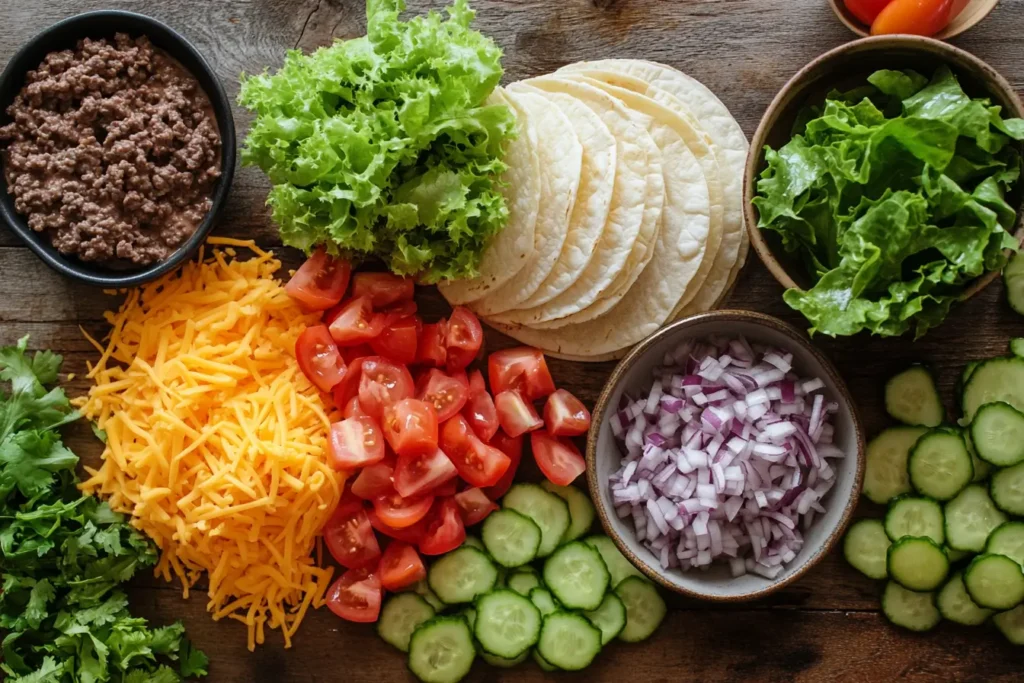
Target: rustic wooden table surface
[{"x": 825, "y": 627}]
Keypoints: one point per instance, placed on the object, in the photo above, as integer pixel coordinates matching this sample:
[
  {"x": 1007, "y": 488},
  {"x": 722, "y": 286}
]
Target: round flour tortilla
[
  {"x": 509, "y": 249},
  {"x": 561, "y": 157},
  {"x": 626, "y": 213}
]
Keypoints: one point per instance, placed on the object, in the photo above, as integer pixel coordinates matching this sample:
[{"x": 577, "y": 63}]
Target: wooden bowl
[
  {"x": 975, "y": 11},
  {"x": 845, "y": 67},
  {"x": 634, "y": 375}
]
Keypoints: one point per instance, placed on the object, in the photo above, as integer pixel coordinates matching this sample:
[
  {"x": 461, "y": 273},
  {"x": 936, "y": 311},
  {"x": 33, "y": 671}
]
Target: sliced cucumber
[
  {"x": 1017, "y": 346},
  {"x": 865, "y": 548},
  {"x": 523, "y": 580},
  {"x": 956, "y": 605},
  {"x": 911, "y": 398},
  {"x": 469, "y": 614},
  {"x": 1013, "y": 278},
  {"x": 609, "y": 617},
  {"x": 548, "y": 511},
  {"x": 1011, "y": 624},
  {"x": 997, "y": 433},
  {"x": 1007, "y": 490},
  {"x": 885, "y": 470},
  {"x": 998, "y": 379},
  {"x": 995, "y": 581},
  {"x": 915, "y": 516},
  {"x": 462, "y": 575},
  {"x": 474, "y": 542},
  {"x": 918, "y": 564},
  {"x": 577, "y": 576},
  {"x": 940, "y": 465},
  {"x": 981, "y": 468},
  {"x": 543, "y": 663},
  {"x": 442, "y": 650},
  {"x": 422, "y": 589},
  {"x": 544, "y": 601},
  {"x": 955, "y": 555},
  {"x": 970, "y": 518},
  {"x": 618, "y": 566},
  {"x": 512, "y": 539},
  {"x": 568, "y": 641},
  {"x": 1008, "y": 540},
  {"x": 909, "y": 609},
  {"x": 965, "y": 375},
  {"x": 581, "y": 510},
  {"x": 401, "y": 615},
  {"x": 501, "y": 662},
  {"x": 645, "y": 609},
  {"x": 507, "y": 624}
]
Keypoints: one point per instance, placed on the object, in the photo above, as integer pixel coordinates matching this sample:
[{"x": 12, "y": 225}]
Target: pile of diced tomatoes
[{"x": 427, "y": 448}]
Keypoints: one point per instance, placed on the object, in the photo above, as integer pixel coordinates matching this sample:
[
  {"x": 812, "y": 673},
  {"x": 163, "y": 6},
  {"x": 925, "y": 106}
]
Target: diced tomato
[
  {"x": 515, "y": 415},
  {"x": 356, "y": 442},
  {"x": 320, "y": 282},
  {"x": 460, "y": 376},
  {"x": 398, "y": 340},
  {"x": 410, "y": 426},
  {"x": 382, "y": 384},
  {"x": 449, "y": 488},
  {"x": 447, "y": 395},
  {"x": 513, "y": 448},
  {"x": 401, "y": 566},
  {"x": 411, "y": 534},
  {"x": 351, "y": 540},
  {"x": 351, "y": 353},
  {"x": 565, "y": 415},
  {"x": 402, "y": 309},
  {"x": 349, "y": 504},
  {"x": 318, "y": 357},
  {"x": 356, "y": 323},
  {"x": 422, "y": 474},
  {"x": 481, "y": 415},
  {"x": 356, "y": 596},
  {"x": 866, "y": 10},
  {"x": 917, "y": 17},
  {"x": 375, "y": 480},
  {"x": 476, "y": 383},
  {"x": 465, "y": 337},
  {"x": 522, "y": 369},
  {"x": 353, "y": 409},
  {"x": 383, "y": 289},
  {"x": 558, "y": 458},
  {"x": 445, "y": 532},
  {"x": 348, "y": 387},
  {"x": 398, "y": 512},
  {"x": 477, "y": 463},
  {"x": 430, "y": 349},
  {"x": 474, "y": 506}
]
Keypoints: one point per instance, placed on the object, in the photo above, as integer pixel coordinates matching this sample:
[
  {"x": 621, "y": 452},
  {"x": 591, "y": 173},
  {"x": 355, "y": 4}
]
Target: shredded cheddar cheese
[{"x": 216, "y": 442}]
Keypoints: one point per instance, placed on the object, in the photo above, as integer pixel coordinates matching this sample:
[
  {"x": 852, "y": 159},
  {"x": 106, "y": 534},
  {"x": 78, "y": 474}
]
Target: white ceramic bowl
[{"x": 634, "y": 374}]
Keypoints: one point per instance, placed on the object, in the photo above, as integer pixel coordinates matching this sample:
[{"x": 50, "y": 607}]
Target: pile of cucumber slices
[
  {"x": 951, "y": 544},
  {"x": 528, "y": 587}
]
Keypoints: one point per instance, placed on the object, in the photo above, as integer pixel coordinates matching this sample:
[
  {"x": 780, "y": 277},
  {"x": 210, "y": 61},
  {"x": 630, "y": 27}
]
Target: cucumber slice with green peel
[
  {"x": 997, "y": 434},
  {"x": 511, "y": 539},
  {"x": 909, "y": 609},
  {"x": 507, "y": 624},
  {"x": 1008, "y": 540},
  {"x": 544, "y": 601},
  {"x": 501, "y": 662},
  {"x": 1007, "y": 490},
  {"x": 939, "y": 464},
  {"x": 474, "y": 542},
  {"x": 1013, "y": 279},
  {"x": 995, "y": 581},
  {"x": 865, "y": 548},
  {"x": 645, "y": 610},
  {"x": 422, "y": 589},
  {"x": 618, "y": 566},
  {"x": 965, "y": 375},
  {"x": 548, "y": 511},
  {"x": 400, "y": 616},
  {"x": 981, "y": 468},
  {"x": 915, "y": 516},
  {"x": 1011, "y": 624},
  {"x": 1017, "y": 347},
  {"x": 918, "y": 564},
  {"x": 543, "y": 663},
  {"x": 956, "y": 605},
  {"x": 469, "y": 614},
  {"x": 577, "y": 576},
  {"x": 581, "y": 510},
  {"x": 885, "y": 469},
  {"x": 442, "y": 650},
  {"x": 523, "y": 580},
  {"x": 609, "y": 617},
  {"x": 568, "y": 641},
  {"x": 462, "y": 575},
  {"x": 911, "y": 398},
  {"x": 970, "y": 518},
  {"x": 998, "y": 379}
]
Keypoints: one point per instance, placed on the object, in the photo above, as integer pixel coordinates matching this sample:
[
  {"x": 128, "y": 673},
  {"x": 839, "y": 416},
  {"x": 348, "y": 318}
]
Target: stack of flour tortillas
[{"x": 625, "y": 210}]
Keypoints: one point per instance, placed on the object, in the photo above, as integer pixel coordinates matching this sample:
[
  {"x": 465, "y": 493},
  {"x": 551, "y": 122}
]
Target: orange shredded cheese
[{"x": 216, "y": 442}]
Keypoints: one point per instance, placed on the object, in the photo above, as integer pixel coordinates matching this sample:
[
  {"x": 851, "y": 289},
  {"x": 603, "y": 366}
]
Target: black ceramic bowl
[{"x": 104, "y": 24}]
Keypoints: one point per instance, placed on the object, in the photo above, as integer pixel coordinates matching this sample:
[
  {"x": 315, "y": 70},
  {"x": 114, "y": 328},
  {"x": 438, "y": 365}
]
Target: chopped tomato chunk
[
  {"x": 356, "y": 323},
  {"x": 515, "y": 415},
  {"x": 356, "y": 442},
  {"x": 513, "y": 448},
  {"x": 318, "y": 357},
  {"x": 383, "y": 289},
  {"x": 420, "y": 474},
  {"x": 522, "y": 369},
  {"x": 356, "y": 596},
  {"x": 410, "y": 426},
  {"x": 320, "y": 282},
  {"x": 350, "y": 540},
  {"x": 465, "y": 337},
  {"x": 398, "y": 512},
  {"x": 353, "y": 409},
  {"x": 474, "y": 506},
  {"x": 477, "y": 463},
  {"x": 445, "y": 394},
  {"x": 445, "y": 532},
  {"x": 411, "y": 534},
  {"x": 382, "y": 384},
  {"x": 401, "y": 566},
  {"x": 482, "y": 415},
  {"x": 398, "y": 340},
  {"x": 430, "y": 349},
  {"x": 565, "y": 415},
  {"x": 558, "y": 458},
  {"x": 374, "y": 480}
]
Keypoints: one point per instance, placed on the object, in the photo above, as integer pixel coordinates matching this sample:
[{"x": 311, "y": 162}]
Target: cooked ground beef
[{"x": 113, "y": 151}]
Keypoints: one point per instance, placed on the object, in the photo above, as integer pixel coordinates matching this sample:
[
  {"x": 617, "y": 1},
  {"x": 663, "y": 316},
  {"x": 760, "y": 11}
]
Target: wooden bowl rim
[
  {"x": 657, "y": 574},
  {"x": 976, "y": 11}
]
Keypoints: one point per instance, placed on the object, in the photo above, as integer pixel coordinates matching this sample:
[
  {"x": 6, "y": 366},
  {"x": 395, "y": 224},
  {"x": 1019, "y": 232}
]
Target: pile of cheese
[{"x": 216, "y": 444}]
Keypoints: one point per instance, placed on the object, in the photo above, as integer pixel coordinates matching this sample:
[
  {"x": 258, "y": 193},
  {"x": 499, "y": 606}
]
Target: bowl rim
[
  {"x": 657, "y": 574},
  {"x": 755, "y": 152},
  {"x": 851, "y": 22},
  {"x": 219, "y": 102}
]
